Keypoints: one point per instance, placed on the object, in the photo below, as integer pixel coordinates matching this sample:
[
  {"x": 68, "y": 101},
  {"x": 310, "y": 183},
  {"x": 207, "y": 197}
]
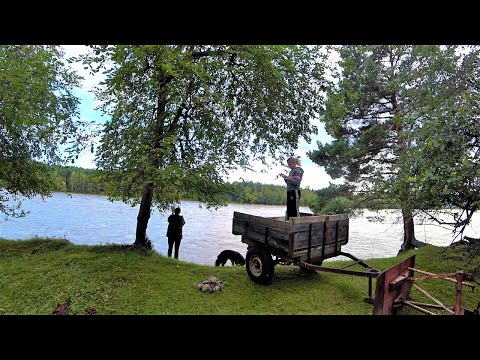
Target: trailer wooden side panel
[
  {"x": 303, "y": 238},
  {"x": 274, "y": 233},
  {"x": 320, "y": 233},
  {"x": 270, "y": 222}
]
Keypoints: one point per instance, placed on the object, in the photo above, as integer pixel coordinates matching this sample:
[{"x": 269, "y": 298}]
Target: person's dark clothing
[
  {"x": 293, "y": 203},
  {"x": 293, "y": 192},
  {"x": 173, "y": 241},
  {"x": 294, "y": 178},
  {"x": 174, "y": 233}
]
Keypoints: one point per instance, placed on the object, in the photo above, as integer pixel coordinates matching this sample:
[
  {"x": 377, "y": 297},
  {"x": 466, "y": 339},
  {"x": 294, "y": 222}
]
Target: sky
[{"x": 314, "y": 176}]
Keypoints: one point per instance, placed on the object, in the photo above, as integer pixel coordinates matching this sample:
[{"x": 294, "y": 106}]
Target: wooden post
[
  {"x": 309, "y": 242},
  {"x": 458, "y": 298}
]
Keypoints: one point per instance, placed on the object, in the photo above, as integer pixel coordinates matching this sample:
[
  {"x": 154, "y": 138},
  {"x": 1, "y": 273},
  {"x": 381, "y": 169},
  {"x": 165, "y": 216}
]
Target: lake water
[{"x": 92, "y": 219}]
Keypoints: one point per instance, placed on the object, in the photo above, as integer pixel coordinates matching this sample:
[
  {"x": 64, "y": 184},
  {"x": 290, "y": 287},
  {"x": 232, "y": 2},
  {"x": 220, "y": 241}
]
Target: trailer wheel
[{"x": 260, "y": 266}]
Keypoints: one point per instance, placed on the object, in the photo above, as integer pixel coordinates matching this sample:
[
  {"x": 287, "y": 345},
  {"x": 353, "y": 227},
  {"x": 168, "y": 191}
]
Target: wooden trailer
[
  {"x": 309, "y": 239},
  {"x": 304, "y": 241}
]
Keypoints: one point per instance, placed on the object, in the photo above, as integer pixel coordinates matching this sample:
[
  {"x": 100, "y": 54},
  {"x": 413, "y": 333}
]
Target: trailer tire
[{"x": 260, "y": 266}]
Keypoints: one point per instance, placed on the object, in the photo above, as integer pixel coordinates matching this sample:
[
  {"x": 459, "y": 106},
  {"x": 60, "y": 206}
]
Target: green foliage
[
  {"x": 366, "y": 114},
  {"x": 80, "y": 180},
  {"x": 184, "y": 116},
  {"x": 325, "y": 195},
  {"x": 338, "y": 205},
  {"x": 405, "y": 126},
  {"x": 38, "y": 120},
  {"x": 38, "y": 274},
  {"x": 77, "y": 180},
  {"x": 248, "y": 192},
  {"x": 363, "y": 201},
  {"x": 443, "y": 168}
]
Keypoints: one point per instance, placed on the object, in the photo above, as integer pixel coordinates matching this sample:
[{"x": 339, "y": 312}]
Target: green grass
[{"x": 37, "y": 274}]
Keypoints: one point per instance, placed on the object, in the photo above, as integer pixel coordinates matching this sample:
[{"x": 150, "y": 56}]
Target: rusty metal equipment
[
  {"x": 370, "y": 273},
  {"x": 394, "y": 286}
]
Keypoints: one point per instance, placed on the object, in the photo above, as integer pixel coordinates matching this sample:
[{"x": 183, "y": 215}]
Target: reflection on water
[{"x": 92, "y": 219}]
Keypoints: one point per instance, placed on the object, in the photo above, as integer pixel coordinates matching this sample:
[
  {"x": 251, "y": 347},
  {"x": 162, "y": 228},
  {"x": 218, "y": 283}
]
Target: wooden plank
[
  {"x": 441, "y": 276},
  {"x": 279, "y": 250},
  {"x": 317, "y": 251},
  {"x": 434, "y": 306},
  {"x": 280, "y": 235},
  {"x": 299, "y": 228},
  {"x": 274, "y": 243},
  {"x": 343, "y": 226},
  {"x": 241, "y": 227},
  {"x": 257, "y": 232},
  {"x": 271, "y": 242},
  {"x": 290, "y": 245},
  {"x": 301, "y": 232},
  {"x": 254, "y": 238},
  {"x": 278, "y": 218},
  {"x": 306, "y": 214},
  {"x": 301, "y": 238},
  {"x": 432, "y": 298},
  {"x": 281, "y": 225},
  {"x": 398, "y": 281},
  {"x": 257, "y": 228},
  {"x": 282, "y": 218},
  {"x": 247, "y": 241},
  {"x": 318, "y": 218},
  {"x": 414, "y": 306}
]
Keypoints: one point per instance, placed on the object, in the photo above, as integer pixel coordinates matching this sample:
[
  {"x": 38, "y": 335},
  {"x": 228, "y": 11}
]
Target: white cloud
[
  {"x": 85, "y": 160},
  {"x": 90, "y": 81},
  {"x": 314, "y": 176}
]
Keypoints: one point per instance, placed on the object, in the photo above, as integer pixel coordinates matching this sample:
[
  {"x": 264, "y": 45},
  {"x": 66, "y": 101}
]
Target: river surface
[{"x": 92, "y": 219}]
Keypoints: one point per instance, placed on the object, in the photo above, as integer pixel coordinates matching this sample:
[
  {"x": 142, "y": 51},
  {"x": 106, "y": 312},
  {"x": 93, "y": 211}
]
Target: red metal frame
[{"x": 394, "y": 286}]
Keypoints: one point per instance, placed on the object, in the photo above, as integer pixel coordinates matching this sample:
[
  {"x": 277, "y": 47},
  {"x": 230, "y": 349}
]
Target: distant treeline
[
  {"x": 79, "y": 180},
  {"x": 248, "y": 192},
  {"x": 332, "y": 199}
]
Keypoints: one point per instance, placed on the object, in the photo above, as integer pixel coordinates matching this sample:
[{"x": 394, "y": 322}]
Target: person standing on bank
[
  {"x": 174, "y": 231},
  {"x": 293, "y": 181}
]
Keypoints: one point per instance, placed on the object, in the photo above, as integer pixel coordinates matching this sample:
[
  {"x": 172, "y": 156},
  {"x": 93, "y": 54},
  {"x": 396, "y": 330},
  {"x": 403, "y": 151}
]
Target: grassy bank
[{"x": 37, "y": 274}]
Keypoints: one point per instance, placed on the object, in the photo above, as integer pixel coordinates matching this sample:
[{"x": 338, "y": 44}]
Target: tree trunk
[
  {"x": 409, "y": 241},
  {"x": 143, "y": 217},
  {"x": 141, "y": 239},
  {"x": 408, "y": 230}
]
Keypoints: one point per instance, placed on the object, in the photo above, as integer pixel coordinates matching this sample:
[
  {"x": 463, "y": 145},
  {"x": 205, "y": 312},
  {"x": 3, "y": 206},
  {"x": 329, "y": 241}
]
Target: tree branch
[{"x": 200, "y": 54}]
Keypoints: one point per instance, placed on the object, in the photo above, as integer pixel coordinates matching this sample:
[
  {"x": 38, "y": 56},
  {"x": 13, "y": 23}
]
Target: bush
[{"x": 338, "y": 205}]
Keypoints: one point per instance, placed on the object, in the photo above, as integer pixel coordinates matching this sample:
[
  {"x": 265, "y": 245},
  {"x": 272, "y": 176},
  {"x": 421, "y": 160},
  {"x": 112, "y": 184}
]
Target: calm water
[{"x": 92, "y": 219}]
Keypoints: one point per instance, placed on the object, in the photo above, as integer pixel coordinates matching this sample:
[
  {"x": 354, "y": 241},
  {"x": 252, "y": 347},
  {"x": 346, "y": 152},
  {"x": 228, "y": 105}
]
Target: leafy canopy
[
  {"x": 183, "y": 117},
  {"x": 37, "y": 120}
]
